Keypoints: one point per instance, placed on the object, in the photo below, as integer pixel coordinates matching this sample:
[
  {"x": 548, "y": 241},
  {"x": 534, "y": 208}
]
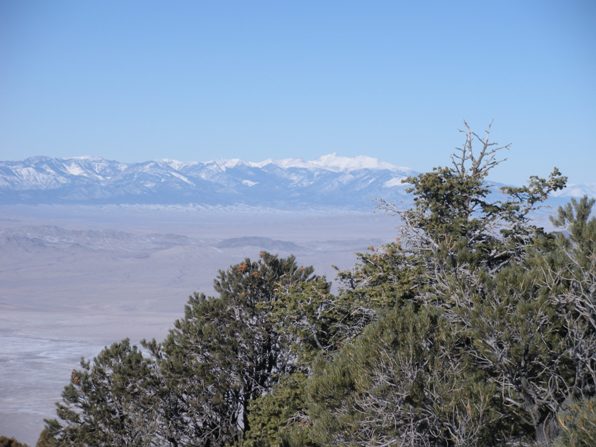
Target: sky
[{"x": 202, "y": 80}]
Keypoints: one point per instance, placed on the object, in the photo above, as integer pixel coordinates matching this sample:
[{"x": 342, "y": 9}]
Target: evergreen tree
[
  {"x": 578, "y": 424},
  {"x": 46, "y": 439},
  {"x": 474, "y": 328},
  {"x": 227, "y": 351},
  {"x": 511, "y": 343},
  {"x": 10, "y": 442},
  {"x": 108, "y": 402}
]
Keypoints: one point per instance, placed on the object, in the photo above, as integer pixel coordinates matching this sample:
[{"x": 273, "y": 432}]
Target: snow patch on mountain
[
  {"x": 577, "y": 191},
  {"x": 182, "y": 177},
  {"x": 334, "y": 162},
  {"x": 331, "y": 181},
  {"x": 394, "y": 182},
  {"x": 230, "y": 164},
  {"x": 178, "y": 165},
  {"x": 75, "y": 169},
  {"x": 329, "y": 162}
]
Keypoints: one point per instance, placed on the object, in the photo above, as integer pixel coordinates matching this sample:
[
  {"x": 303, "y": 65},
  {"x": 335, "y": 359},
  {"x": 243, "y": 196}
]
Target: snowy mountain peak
[
  {"x": 86, "y": 158},
  {"x": 178, "y": 165},
  {"x": 334, "y": 162},
  {"x": 329, "y": 181},
  {"x": 328, "y": 162},
  {"x": 577, "y": 191}
]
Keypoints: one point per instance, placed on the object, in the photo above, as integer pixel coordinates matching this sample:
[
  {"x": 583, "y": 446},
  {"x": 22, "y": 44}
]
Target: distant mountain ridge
[{"x": 330, "y": 181}]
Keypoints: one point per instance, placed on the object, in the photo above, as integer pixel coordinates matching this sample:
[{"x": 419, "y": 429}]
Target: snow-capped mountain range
[{"x": 330, "y": 181}]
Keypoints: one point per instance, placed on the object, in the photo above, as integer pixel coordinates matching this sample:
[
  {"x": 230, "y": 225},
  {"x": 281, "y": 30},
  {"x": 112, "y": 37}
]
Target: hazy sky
[{"x": 139, "y": 80}]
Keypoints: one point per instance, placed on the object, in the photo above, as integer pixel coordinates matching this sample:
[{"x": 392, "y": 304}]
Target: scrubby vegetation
[
  {"x": 474, "y": 328},
  {"x": 10, "y": 442}
]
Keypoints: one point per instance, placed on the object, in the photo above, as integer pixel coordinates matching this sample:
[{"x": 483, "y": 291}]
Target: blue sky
[{"x": 139, "y": 80}]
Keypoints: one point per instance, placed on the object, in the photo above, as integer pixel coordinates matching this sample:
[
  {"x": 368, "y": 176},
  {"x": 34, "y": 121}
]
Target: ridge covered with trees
[{"x": 474, "y": 328}]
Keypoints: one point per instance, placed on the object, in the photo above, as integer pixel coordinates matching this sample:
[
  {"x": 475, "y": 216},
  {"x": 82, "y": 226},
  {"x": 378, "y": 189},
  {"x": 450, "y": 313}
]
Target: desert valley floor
[{"x": 74, "y": 279}]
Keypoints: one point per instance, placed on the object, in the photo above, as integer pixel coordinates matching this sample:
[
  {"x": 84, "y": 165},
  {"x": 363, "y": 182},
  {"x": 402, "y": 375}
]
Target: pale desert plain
[{"x": 74, "y": 279}]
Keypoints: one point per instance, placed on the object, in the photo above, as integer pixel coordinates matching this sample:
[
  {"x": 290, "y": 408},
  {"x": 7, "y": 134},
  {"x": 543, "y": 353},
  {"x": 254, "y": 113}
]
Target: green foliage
[
  {"x": 579, "y": 244},
  {"x": 273, "y": 415},
  {"x": 513, "y": 337},
  {"x": 108, "y": 401},
  {"x": 10, "y": 442},
  {"x": 453, "y": 219},
  {"x": 228, "y": 351},
  {"x": 474, "y": 328},
  {"x": 578, "y": 423},
  {"x": 46, "y": 439},
  {"x": 401, "y": 382}
]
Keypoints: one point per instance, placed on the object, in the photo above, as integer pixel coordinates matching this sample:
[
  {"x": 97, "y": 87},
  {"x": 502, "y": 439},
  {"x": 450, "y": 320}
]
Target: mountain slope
[{"x": 330, "y": 181}]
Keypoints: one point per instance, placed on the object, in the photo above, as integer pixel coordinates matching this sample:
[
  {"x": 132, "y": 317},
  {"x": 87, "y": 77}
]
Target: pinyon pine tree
[{"x": 474, "y": 328}]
